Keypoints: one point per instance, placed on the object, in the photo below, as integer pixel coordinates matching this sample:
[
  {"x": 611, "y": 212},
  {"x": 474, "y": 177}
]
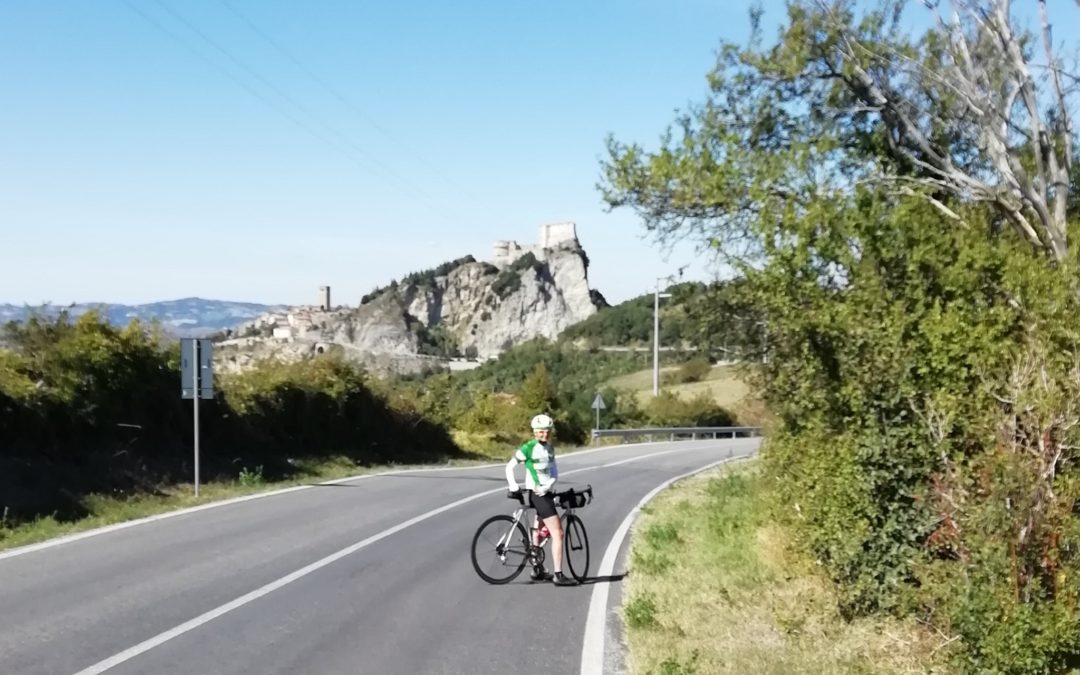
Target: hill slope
[{"x": 186, "y": 317}]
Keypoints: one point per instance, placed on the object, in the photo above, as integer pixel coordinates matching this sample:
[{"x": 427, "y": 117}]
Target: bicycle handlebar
[{"x": 563, "y": 498}]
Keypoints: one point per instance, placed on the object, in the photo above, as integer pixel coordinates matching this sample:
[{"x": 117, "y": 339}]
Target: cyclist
[{"x": 541, "y": 472}]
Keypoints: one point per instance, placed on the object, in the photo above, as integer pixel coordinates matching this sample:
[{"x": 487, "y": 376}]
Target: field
[{"x": 722, "y": 383}]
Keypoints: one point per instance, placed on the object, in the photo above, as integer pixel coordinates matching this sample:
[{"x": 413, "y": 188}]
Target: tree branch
[{"x": 1059, "y": 175}]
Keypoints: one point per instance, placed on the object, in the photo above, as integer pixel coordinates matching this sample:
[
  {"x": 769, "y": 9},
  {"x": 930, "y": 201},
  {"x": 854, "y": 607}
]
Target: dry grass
[
  {"x": 722, "y": 383},
  {"x": 640, "y": 380},
  {"x": 713, "y": 588},
  {"x": 725, "y": 388}
]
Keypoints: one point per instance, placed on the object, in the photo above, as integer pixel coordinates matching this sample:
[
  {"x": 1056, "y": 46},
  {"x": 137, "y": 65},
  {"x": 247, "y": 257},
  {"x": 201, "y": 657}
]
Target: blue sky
[{"x": 156, "y": 149}]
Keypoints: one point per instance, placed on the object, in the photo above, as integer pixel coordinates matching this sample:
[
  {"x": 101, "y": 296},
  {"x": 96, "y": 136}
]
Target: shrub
[
  {"x": 506, "y": 284},
  {"x": 90, "y": 408},
  {"x": 669, "y": 410},
  {"x": 694, "y": 370},
  {"x": 640, "y": 612}
]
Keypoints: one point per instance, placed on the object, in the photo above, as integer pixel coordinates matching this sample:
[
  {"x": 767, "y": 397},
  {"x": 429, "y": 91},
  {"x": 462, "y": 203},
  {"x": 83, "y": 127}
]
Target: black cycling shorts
[{"x": 544, "y": 505}]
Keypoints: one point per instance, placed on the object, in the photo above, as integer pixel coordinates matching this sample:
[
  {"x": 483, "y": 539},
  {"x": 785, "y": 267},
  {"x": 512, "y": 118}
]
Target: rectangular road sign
[
  {"x": 206, "y": 368},
  {"x": 190, "y": 361},
  {"x": 187, "y": 368}
]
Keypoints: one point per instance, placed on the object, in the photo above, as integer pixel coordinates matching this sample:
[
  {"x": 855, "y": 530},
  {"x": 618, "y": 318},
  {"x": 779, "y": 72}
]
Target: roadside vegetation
[
  {"x": 90, "y": 409},
  {"x": 726, "y": 385},
  {"x": 715, "y": 586},
  {"x": 899, "y": 207},
  {"x": 95, "y": 431}
]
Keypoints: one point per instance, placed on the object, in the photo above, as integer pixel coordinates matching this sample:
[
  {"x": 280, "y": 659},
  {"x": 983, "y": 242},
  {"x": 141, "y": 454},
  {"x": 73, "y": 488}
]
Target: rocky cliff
[{"x": 462, "y": 310}]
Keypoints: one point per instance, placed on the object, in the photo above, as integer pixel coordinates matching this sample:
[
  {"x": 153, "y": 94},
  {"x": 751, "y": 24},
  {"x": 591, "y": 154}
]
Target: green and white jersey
[{"x": 540, "y": 469}]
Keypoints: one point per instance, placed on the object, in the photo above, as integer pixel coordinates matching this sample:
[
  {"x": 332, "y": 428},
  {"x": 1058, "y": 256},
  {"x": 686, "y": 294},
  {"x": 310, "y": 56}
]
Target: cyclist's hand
[{"x": 513, "y": 494}]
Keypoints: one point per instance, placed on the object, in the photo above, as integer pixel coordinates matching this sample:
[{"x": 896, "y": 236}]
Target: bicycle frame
[{"x": 564, "y": 512}]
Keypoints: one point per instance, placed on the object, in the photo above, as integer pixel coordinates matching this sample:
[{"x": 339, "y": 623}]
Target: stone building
[{"x": 552, "y": 235}]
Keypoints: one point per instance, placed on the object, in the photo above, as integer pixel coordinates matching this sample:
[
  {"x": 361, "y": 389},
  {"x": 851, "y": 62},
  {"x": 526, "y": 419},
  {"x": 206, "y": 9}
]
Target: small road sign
[
  {"x": 598, "y": 405},
  {"x": 598, "y": 402}
]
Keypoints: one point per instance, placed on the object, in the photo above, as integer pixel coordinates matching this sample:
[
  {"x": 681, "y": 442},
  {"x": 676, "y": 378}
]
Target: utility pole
[{"x": 656, "y": 338}]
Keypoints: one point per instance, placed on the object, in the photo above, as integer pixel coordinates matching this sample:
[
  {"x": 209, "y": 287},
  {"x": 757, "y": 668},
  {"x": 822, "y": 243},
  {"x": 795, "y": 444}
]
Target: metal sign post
[{"x": 196, "y": 381}]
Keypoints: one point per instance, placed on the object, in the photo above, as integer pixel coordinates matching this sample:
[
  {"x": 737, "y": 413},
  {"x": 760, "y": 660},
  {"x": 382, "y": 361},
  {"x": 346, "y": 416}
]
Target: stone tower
[{"x": 553, "y": 234}]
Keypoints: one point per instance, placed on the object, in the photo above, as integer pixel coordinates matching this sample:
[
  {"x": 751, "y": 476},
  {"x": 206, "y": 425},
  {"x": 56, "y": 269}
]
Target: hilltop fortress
[
  {"x": 552, "y": 235},
  {"x": 463, "y": 310}
]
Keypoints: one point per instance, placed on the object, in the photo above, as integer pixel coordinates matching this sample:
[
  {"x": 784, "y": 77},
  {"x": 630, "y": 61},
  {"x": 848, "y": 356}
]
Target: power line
[
  {"x": 333, "y": 91},
  {"x": 296, "y": 104},
  {"x": 154, "y": 22},
  {"x": 350, "y": 154}
]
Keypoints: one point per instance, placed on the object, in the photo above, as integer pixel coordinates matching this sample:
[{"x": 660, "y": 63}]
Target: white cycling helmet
[{"x": 542, "y": 421}]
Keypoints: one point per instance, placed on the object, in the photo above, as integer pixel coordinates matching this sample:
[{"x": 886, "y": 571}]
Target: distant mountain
[{"x": 187, "y": 317}]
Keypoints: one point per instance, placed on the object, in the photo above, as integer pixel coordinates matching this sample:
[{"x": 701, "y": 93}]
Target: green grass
[{"x": 714, "y": 587}]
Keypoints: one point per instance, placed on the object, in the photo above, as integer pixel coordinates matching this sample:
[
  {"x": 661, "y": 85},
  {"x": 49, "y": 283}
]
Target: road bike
[{"x": 503, "y": 545}]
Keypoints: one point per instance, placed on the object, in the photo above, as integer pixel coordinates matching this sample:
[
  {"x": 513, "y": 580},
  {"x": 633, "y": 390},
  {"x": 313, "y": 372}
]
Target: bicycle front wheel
[
  {"x": 500, "y": 549},
  {"x": 576, "y": 547}
]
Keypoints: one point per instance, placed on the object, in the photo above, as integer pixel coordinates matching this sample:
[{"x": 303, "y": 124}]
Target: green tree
[
  {"x": 844, "y": 99},
  {"x": 895, "y": 208},
  {"x": 537, "y": 393}
]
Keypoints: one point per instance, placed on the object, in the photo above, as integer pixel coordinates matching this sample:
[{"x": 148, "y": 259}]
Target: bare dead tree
[{"x": 985, "y": 89}]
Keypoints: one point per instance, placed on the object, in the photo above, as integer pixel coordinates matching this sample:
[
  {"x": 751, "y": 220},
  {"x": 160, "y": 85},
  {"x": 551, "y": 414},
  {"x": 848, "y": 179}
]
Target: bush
[
  {"x": 436, "y": 341},
  {"x": 506, "y": 284},
  {"x": 694, "y": 370},
  {"x": 251, "y": 477},
  {"x": 89, "y": 408},
  {"x": 669, "y": 410},
  {"x": 631, "y": 322},
  {"x": 537, "y": 375},
  {"x": 640, "y": 612},
  {"x": 509, "y": 279},
  {"x": 415, "y": 280},
  {"x": 922, "y": 454}
]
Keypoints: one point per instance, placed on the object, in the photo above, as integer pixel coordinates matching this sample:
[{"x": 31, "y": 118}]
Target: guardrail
[{"x": 677, "y": 433}]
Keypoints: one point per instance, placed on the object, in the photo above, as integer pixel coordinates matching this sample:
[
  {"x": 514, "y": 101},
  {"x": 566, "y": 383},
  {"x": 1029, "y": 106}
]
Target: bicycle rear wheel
[
  {"x": 576, "y": 547},
  {"x": 500, "y": 549}
]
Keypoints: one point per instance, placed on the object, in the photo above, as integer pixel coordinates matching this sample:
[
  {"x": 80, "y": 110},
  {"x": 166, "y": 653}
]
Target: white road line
[
  {"x": 106, "y": 529},
  {"x": 592, "y": 649},
  {"x": 634, "y": 459},
  {"x": 147, "y": 645},
  {"x": 23, "y": 550},
  {"x": 67, "y": 539}
]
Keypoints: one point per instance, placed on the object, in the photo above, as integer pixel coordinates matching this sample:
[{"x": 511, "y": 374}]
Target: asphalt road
[{"x": 367, "y": 576}]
